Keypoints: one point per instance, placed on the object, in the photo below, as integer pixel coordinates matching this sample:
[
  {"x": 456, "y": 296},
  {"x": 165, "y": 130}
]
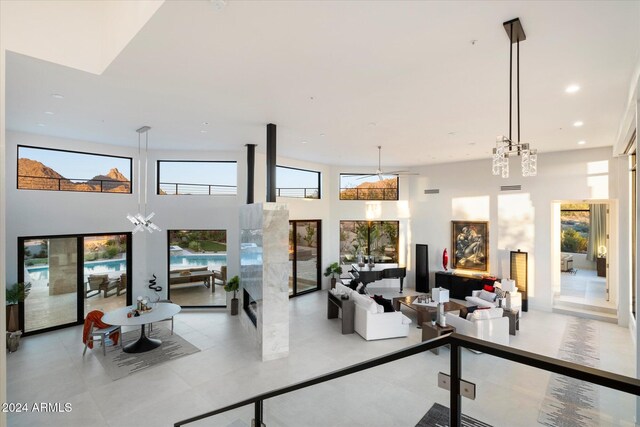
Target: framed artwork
[{"x": 470, "y": 245}]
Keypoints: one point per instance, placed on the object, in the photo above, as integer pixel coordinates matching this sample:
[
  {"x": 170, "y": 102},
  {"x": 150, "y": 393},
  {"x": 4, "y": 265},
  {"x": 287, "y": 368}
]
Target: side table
[
  {"x": 430, "y": 331},
  {"x": 514, "y": 320}
]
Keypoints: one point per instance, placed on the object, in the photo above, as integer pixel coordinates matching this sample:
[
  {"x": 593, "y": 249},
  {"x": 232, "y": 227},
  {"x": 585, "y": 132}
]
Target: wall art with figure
[{"x": 470, "y": 245}]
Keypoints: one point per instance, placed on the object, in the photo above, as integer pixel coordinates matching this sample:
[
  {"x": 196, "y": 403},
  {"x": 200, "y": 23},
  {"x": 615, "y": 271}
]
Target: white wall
[
  {"x": 33, "y": 213},
  {"x": 518, "y": 219}
]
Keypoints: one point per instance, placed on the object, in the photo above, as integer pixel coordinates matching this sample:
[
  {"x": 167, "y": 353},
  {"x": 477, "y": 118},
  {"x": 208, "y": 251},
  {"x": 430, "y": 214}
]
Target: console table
[
  {"x": 334, "y": 304},
  {"x": 461, "y": 286}
]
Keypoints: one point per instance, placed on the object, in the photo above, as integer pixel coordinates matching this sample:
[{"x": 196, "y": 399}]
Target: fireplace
[{"x": 250, "y": 307}]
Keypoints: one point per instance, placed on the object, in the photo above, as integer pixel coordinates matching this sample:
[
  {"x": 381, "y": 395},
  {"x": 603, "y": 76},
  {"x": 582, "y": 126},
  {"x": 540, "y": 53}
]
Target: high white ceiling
[{"x": 335, "y": 68}]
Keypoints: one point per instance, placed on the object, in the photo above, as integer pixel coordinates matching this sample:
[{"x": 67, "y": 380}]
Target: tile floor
[
  {"x": 584, "y": 287},
  {"x": 50, "y": 368}
]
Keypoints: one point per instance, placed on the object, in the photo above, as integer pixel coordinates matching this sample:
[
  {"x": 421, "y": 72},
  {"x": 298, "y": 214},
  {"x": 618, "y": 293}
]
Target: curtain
[{"x": 597, "y": 230}]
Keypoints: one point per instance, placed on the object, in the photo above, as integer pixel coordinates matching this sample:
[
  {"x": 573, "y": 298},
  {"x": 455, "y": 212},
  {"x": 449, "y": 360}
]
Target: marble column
[{"x": 264, "y": 274}]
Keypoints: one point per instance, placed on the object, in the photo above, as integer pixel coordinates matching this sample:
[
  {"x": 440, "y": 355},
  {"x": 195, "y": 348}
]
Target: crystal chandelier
[
  {"x": 142, "y": 221},
  {"x": 506, "y": 146}
]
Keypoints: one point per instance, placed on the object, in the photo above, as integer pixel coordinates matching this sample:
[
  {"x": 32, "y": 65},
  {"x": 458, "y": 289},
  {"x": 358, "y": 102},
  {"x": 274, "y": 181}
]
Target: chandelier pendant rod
[
  {"x": 518, "y": 83},
  {"x": 146, "y": 166},
  {"x": 510, "y": 83},
  {"x": 139, "y": 172}
]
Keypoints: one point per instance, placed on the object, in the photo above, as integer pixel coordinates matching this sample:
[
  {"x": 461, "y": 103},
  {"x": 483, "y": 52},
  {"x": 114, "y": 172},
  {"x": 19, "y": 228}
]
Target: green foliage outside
[
  {"x": 200, "y": 240},
  {"x": 573, "y": 242}
]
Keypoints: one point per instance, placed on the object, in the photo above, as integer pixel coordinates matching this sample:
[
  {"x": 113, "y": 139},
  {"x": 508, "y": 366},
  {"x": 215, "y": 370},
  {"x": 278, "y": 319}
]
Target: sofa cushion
[
  {"x": 489, "y": 288},
  {"x": 385, "y": 303},
  {"x": 492, "y": 313},
  {"x": 487, "y": 296},
  {"x": 365, "y": 302}
]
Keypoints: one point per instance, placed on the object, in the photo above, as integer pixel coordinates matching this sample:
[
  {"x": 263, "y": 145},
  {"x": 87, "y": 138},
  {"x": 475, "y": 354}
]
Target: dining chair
[
  {"x": 163, "y": 320},
  {"x": 103, "y": 334}
]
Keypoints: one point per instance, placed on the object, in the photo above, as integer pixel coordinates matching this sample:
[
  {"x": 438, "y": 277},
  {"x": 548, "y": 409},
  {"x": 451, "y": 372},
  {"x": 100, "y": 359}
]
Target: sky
[
  {"x": 75, "y": 165},
  {"x": 86, "y": 166}
]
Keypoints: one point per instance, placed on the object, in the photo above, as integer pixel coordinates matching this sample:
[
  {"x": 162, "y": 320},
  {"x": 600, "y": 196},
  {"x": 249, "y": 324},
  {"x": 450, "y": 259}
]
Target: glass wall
[
  {"x": 304, "y": 256},
  {"x": 368, "y": 187},
  {"x": 377, "y": 238},
  {"x": 51, "y": 266},
  {"x": 197, "y": 267},
  {"x": 105, "y": 272}
]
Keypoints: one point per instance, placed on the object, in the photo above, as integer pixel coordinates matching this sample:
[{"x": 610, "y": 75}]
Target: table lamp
[
  {"x": 508, "y": 286},
  {"x": 440, "y": 296}
]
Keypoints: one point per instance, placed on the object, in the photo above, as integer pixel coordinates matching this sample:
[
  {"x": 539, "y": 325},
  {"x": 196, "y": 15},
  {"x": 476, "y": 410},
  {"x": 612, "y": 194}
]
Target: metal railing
[
  {"x": 457, "y": 342},
  {"x": 30, "y": 182},
  {"x": 300, "y": 192},
  {"x": 183, "y": 189},
  {"x": 368, "y": 193}
]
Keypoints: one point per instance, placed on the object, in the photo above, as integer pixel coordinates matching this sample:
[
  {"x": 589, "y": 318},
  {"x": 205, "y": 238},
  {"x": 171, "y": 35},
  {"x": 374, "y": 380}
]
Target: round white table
[{"x": 161, "y": 311}]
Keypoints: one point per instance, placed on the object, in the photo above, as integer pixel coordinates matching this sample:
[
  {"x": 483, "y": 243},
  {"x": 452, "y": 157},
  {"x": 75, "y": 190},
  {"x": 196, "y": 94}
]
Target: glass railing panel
[
  {"x": 514, "y": 394},
  {"x": 395, "y": 394}
]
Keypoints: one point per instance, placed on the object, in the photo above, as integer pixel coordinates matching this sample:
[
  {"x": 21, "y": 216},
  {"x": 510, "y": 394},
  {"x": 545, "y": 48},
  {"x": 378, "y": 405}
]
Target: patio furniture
[
  {"x": 192, "y": 275},
  {"x": 220, "y": 276},
  {"x": 102, "y": 283}
]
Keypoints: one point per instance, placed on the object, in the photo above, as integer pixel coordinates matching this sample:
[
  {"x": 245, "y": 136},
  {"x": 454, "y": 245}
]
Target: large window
[
  {"x": 182, "y": 177},
  {"x": 60, "y": 170},
  {"x": 301, "y": 183},
  {"x": 368, "y": 187},
  {"x": 305, "y": 256},
  {"x": 198, "y": 267},
  {"x": 377, "y": 238},
  {"x": 574, "y": 220}
]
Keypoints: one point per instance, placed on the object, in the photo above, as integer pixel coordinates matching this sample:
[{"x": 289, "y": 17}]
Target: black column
[
  {"x": 271, "y": 162},
  {"x": 251, "y": 166}
]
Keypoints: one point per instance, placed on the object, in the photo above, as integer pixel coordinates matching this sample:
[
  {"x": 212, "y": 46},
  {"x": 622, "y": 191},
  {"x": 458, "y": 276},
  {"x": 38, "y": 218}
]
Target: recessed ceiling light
[
  {"x": 572, "y": 89},
  {"x": 49, "y": 113},
  {"x": 322, "y": 134},
  {"x": 451, "y": 133},
  {"x": 578, "y": 124},
  {"x": 203, "y": 131},
  {"x": 205, "y": 123},
  {"x": 57, "y": 96},
  {"x": 472, "y": 143},
  {"x": 303, "y": 142},
  {"x": 582, "y": 142},
  {"x": 41, "y": 125}
]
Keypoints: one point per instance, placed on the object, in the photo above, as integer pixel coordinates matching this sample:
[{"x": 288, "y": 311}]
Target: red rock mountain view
[
  {"x": 34, "y": 175},
  {"x": 378, "y": 190}
]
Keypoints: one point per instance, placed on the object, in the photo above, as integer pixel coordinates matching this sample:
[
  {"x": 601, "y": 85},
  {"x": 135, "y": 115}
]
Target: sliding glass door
[
  {"x": 51, "y": 266},
  {"x": 304, "y": 256},
  {"x": 72, "y": 275}
]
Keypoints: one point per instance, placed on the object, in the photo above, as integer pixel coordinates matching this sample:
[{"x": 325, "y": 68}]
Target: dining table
[{"x": 159, "y": 311}]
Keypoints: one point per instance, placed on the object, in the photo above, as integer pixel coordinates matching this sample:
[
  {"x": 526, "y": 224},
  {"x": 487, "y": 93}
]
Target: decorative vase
[
  {"x": 333, "y": 283},
  {"x": 13, "y": 341},
  {"x": 13, "y": 324},
  {"x": 445, "y": 259},
  {"x": 234, "y": 306}
]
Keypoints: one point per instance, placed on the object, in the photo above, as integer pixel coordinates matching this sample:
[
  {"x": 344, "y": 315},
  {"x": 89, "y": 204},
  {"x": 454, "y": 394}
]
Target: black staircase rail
[{"x": 457, "y": 342}]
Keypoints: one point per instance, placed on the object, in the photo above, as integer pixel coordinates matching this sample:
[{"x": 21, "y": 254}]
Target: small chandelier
[
  {"x": 142, "y": 221},
  {"x": 506, "y": 146}
]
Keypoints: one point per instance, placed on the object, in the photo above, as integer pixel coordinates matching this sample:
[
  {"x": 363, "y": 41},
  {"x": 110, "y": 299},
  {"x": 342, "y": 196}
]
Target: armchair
[{"x": 488, "y": 325}]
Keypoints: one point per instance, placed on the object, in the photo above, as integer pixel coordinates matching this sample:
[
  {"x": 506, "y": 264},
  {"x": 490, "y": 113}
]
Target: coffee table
[
  {"x": 424, "y": 312},
  {"x": 161, "y": 311}
]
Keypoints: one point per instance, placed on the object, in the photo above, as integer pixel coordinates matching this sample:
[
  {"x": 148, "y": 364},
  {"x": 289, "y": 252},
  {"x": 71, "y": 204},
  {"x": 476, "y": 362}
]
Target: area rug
[
  {"x": 119, "y": 364},
  {"x": 438, "y": 416},
  {"x": 570, "y": 402}
]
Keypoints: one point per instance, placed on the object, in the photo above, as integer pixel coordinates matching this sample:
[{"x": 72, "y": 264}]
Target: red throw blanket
[{"x": 95, "y": 316}]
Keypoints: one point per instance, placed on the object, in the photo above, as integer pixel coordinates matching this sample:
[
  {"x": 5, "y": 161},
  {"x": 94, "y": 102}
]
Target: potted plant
[
  {"x": 334, "y": 270},
  {"x": 14, "y": 295},
  {"x": 233, "y": 285}
]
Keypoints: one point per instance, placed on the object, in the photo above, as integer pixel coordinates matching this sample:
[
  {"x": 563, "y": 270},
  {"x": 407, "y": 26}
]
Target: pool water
[{"x": 212, "y": 261}]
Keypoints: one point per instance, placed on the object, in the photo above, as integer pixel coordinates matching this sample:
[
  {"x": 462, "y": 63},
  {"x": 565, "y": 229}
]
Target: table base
[{"x": 142, "y": 344}]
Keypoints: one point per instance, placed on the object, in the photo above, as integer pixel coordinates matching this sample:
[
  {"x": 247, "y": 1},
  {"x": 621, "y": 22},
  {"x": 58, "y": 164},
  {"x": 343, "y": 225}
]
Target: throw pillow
[
  {"x": 487, "y": 296},
  {"x": 500, "y": 293},
  {"x": 489, "y": 288},
  {"x": 387, "y": 304},
  {"x": 464, "y": 312}
]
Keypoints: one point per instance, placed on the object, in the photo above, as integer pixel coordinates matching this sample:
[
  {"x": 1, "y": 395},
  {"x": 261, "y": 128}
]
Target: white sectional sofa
[
  {"x": 516, "y": 300},
  {"x": 371, "y": 322},
  {"x": 488, "y": 325}
]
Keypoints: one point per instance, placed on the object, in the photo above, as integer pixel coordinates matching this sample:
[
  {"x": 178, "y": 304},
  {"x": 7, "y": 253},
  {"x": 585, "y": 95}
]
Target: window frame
[
  {"x": 87, "y": 153},
  {"x": 158, "y": 162},
  {"x": 368, "y": 200},
  {"x": 303, "y": 170},
  {"x": 369, "y": 224}
]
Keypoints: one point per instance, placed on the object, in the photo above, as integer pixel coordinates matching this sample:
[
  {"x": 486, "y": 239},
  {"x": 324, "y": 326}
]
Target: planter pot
[
  {"x": 13, "y": 324},
  {"x": 333, "y": 283},
  {"x": 13, "y": 341},
  {"x": 234, "y": 306}
]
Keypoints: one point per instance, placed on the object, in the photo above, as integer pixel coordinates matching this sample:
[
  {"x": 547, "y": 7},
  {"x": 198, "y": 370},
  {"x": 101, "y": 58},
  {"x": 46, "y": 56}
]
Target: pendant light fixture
[
  {"x": 141, "y": 220},
  {"x": 506, "y": 146}
]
